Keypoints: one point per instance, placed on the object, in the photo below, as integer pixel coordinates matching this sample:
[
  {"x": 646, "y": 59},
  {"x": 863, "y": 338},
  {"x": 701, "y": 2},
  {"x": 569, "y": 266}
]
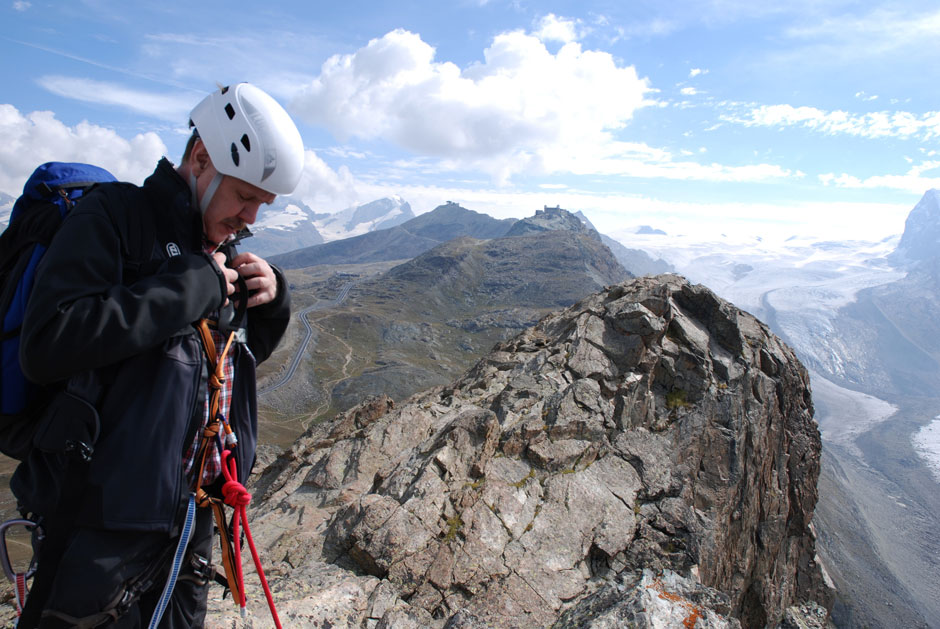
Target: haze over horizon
[{"x": 814, "y": 118}]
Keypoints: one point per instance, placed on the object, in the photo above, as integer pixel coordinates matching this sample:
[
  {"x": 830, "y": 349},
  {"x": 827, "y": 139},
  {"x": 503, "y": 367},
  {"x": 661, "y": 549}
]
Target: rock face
[{"x": 647, "y": 456}]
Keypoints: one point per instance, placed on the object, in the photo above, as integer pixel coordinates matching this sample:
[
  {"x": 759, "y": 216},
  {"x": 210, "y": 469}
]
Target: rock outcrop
[{"x": 647, "y": 456}]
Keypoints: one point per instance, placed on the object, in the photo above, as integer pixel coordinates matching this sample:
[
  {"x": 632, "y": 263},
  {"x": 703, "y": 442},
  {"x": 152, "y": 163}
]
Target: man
[{"x": 118, "y": 293}]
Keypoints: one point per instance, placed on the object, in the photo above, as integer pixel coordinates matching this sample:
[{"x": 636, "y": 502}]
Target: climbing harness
[
  {"x": 18, "y": 579},
  {"x": 234, "y": 493}
]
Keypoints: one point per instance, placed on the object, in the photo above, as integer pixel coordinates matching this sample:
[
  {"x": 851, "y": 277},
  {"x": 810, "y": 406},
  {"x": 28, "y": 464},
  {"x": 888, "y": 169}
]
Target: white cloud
[
  {"x": 21, "y": 5},
  {"x": 866, "y": 97},
  {"x": 883, "y": 124},
  {"x": 275, "y": 60},
  {"x": 523, "y": 109},
  {"x": 31, "y": 139},
  {"x": 688, "y": 91},
  {"x": 173, "y": 107},
  {"x": 554, "y": 28},
  {"x": 320, "y": 185},
  {"x": 694, "y": 72},
  {"x": 914, "y": 180},
  {"x": 876, "y": 33}
]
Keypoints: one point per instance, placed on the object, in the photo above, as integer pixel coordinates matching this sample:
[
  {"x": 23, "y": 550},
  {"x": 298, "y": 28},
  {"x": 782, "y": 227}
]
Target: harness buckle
[
  {"x": 126, "y": 601},
  {"x": 201, "y": 566}
]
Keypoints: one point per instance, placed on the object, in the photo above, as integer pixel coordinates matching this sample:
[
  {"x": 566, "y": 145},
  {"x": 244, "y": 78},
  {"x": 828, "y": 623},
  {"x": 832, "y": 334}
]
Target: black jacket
[{"x": 117, "y": 292}]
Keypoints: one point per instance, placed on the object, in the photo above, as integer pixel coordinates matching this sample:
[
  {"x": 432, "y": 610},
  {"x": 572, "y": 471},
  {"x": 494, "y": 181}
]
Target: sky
[{"x": 817, "y": 118}]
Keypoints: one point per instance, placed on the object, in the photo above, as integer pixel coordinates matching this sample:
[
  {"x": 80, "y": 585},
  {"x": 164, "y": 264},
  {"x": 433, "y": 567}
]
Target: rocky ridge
[
  {"x": 552, "y": 219},
  {"x": 646, "y": 456}
]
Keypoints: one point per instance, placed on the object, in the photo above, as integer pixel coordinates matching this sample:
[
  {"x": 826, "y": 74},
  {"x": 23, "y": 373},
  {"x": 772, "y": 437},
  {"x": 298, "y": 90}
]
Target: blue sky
[{"x": 717, "y": 116}]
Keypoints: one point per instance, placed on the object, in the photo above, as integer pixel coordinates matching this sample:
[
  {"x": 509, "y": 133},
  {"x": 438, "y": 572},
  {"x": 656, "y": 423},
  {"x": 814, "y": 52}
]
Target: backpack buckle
[{"x": 79, "y": 449}]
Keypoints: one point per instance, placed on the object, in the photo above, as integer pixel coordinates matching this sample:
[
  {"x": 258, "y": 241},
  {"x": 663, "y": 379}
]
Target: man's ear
[{"x": 199, "y": 157}]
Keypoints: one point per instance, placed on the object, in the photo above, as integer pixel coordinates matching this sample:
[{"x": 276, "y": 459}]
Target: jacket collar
[{"x": 173, "y": 199}]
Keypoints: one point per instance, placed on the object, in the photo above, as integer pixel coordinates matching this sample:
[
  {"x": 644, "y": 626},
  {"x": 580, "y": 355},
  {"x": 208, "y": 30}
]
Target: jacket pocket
[{"x": 136, "y": 479}]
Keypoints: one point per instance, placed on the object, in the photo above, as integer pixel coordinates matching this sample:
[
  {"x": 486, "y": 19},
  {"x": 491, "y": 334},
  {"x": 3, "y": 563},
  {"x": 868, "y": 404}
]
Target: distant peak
[
  {"x": 921, "y": 230},
  {"x": 550, "y": 219}
]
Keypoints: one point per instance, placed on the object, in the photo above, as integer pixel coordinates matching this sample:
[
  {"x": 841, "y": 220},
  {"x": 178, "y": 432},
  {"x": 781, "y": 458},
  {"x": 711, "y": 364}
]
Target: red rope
[{"x": 235, "y": 495}]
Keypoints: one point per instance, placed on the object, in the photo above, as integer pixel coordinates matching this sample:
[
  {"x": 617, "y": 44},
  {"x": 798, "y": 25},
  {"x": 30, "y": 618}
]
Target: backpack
[{"x": 50, "y": 192}]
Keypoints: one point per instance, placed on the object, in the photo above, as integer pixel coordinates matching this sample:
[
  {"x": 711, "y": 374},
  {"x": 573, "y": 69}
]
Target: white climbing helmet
[{"x": 249, "y": 136}]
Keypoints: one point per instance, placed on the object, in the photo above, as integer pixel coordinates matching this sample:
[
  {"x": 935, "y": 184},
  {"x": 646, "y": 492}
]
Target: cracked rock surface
[{"x": 647, "y": 456}]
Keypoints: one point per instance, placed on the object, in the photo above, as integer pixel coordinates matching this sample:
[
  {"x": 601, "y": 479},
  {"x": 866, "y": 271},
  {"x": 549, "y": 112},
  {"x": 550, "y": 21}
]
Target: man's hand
[{"x": 259, "y": 278}]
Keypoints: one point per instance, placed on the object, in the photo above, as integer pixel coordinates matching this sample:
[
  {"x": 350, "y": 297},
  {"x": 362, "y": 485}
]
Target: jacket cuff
[{"x": 205, "y": 280}]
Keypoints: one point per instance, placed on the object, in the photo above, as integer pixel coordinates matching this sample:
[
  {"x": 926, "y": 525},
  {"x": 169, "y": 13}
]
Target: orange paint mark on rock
[
  {"x": 695, "y": 612},
  {"x": 692, "y": 618}
]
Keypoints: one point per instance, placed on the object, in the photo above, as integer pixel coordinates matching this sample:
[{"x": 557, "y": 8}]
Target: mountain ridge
[
  {"x": 399, "y": 242},
  {"x": 420, "y": 322}
]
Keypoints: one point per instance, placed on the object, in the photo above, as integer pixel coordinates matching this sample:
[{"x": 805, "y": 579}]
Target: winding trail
[{"x": 308, "y": 336}]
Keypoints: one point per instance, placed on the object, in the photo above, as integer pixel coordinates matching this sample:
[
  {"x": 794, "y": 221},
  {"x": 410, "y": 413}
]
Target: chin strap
[{"x": 209, "y": 193}]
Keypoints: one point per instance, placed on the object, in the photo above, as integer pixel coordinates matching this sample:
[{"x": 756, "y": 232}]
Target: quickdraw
[{"x": 234, "y": 493}]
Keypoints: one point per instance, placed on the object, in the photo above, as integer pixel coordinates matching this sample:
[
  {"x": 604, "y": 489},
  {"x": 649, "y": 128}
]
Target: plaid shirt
[{"x": 214, "y": 459}]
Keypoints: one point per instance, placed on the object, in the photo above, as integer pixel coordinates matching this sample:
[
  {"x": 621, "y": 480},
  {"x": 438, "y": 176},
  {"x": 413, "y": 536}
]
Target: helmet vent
[
  {"x": 230, "y": 111},
  {"x": 246, "y": 142},
  {"x": 235, "y": 154}
]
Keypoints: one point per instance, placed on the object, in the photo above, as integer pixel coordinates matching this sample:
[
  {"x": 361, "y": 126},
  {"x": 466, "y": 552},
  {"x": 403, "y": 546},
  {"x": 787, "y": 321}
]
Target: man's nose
[{"x": 249, "y": 212}]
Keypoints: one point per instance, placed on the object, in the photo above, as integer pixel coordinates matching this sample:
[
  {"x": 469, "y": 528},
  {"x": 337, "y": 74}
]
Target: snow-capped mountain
[
  {"x": 288, "y": 224},
  {"x": 285, "y": 225},
  {"x": 361, "y": 219},
  {"x": 921, "y": 231}
]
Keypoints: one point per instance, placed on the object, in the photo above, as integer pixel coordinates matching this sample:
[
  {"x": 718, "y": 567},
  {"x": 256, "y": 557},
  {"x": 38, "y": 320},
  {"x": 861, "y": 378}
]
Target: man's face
[{"x": 233, "y": 206}]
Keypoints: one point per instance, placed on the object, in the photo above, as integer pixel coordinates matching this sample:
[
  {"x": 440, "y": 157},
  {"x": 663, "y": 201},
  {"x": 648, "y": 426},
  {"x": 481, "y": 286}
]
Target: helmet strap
[{"x": 208, "y": 194}]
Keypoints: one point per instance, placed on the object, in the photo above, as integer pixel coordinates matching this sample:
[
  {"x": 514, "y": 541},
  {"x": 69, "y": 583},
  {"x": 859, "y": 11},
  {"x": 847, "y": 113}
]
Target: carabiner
[{"x": 4, "y": 552}]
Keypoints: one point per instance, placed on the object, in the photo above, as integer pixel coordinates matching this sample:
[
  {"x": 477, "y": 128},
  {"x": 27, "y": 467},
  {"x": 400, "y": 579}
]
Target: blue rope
[{"x": 177, "y": 563}]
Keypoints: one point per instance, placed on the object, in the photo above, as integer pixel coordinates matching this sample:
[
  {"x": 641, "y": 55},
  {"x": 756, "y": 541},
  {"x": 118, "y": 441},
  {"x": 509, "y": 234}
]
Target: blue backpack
[{"x": 50, "y": 192}]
